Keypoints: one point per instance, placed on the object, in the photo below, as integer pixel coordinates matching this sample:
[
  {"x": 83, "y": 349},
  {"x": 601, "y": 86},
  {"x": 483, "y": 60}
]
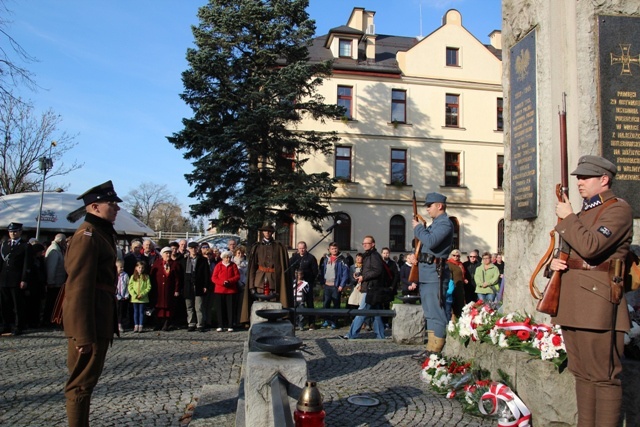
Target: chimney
[{"x": 495, "y": 39}]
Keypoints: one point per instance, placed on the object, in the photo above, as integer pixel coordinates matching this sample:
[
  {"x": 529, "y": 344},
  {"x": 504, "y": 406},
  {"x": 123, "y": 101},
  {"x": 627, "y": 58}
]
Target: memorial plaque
[
  {"x": 524, "y": 131},
  {"x": 619, "y": 67}
]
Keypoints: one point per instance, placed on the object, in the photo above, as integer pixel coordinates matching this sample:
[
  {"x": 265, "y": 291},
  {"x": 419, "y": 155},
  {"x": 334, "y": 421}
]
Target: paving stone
[{"x": 152, "y": 379}]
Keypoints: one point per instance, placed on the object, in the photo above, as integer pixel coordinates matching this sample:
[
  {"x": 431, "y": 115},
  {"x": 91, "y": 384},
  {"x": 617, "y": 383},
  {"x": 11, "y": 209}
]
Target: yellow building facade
[{"x": 422, "y": 115}]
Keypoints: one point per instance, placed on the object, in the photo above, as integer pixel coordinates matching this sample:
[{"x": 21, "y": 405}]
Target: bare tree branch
[
  {"x": 147, "y": 198},
  {"x": 26, "y": 137},
  {"x": 12, "y": 74}
]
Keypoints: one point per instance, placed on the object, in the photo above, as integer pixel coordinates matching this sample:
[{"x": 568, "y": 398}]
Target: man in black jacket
[
  {"x": 14, "y": 273},
  {"x": 371, "y": 282},
  {"x": 197, "y": 284}
]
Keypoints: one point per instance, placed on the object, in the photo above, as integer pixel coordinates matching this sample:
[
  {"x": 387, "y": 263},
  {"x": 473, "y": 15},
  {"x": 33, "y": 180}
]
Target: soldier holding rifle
[
  {"x": 592, "y": 309},
  {"x": 436, "y": 241}
]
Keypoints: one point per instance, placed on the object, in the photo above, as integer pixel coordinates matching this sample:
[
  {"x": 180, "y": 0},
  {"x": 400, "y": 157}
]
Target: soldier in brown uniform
[
  {"x": 593, "y": 323},
  {"x": 267, "y": 264},
  {"x": 89, "y": 305}
]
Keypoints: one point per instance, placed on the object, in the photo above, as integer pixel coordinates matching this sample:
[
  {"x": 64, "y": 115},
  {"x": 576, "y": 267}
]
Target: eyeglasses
[
  {"x": 473, "y": 256},
  {"x": 486, "y": 257},
  {"x": 456, "y": 256}
]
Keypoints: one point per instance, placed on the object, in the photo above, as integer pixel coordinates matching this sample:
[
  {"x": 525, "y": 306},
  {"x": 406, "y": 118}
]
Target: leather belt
[
  {"x": 266, "y": 269},
  {"x": 579, "y": 264}
]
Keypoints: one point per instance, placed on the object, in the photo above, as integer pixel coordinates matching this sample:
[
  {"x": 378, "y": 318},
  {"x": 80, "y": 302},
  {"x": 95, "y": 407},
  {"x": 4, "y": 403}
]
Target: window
[
  {"x": 345, "y": 48},
  {"x": 451, "y": 110},
  {"x": 398, "y": 105},
  {"x": 398, "y": 166},
  {"x": 501, "y": 236},
  {"x": 343, "y": 163},
  {"x": 397, "y": 233},
  {"x": 500, "y": 167},
  {"x": 344, "y": 100},
  {"x": 500, "y": 123},
  {"x": 342, "y": 232},
  {"x": 452, "y": 169},
  {"x": 452, "y": 57},
  {"x": 456, "y": 232}
]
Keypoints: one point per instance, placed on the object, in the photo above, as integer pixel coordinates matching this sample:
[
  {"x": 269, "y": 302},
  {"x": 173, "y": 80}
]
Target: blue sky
[{"x": 112, "y": 71}]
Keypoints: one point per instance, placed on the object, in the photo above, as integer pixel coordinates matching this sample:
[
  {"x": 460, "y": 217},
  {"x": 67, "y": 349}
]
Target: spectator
[
  {"x": 139, "y": 288},
  {"x": 134, "y": 256},
  {"x": 354, "y": 272},
  {"x": 56, "y": 274},
  {"x": 408, "y": 288},
  {"x": 393, "y": 267},
  {"x": 225, "y": 279},
  {"x": 149, "y": 251},
  {"x": 306, "y": 263},
  {"x": 300, "y": 289},
  {"x": 123, "y": 297},
  {"x": 166, "y": 275},
  {"x": 35, "y": 296},
  {"x": 470, "y": 266},
  {"x": 370, "y": 280},
  {"x": 240, "y": 259},
  {"x": 334, "y": 276},
  {"x": 175, "y": 254},
  {"x": 197, "y": 283},
  {"x": 213, "y": 258},
  {"x": 487, "y": 277},
  {"x": 457, "y": 275}
]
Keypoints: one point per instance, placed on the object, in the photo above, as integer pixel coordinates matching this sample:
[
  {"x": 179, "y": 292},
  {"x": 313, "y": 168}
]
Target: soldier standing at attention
[
  {"x": 266, "y": 272},
  {"x": 89, "y": 308},
  {"x": 593, "y": 323},
  {"x": 436, "y": 241}
]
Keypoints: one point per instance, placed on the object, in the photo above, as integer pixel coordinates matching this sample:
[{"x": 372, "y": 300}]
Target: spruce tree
[{"x": 248, "y": 83}]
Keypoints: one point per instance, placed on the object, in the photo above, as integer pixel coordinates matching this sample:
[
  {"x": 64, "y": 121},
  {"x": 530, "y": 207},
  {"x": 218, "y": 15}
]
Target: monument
[{"x": 590, "y": 52}]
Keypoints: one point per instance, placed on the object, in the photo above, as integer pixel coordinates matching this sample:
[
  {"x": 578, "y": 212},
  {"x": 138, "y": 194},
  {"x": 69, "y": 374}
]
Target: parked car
[{"x": 220, "y": 240}]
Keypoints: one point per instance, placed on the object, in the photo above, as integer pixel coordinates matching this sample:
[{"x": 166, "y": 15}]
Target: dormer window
[{"x": 345, "y": 48}]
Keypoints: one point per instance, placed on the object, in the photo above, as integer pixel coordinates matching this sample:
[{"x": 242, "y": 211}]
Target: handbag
[{"x": 150, "y": 311}]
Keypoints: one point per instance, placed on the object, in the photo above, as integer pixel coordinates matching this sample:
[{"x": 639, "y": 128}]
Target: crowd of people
[{"x": 201, "y": 287}]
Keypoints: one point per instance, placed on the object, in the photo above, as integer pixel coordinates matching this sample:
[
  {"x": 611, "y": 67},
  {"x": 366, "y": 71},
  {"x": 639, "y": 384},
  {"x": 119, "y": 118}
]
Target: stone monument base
[{"x": 549, "y": 395}]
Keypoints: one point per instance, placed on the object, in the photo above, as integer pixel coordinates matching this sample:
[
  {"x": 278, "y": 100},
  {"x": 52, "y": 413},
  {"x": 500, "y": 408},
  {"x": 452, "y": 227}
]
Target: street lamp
[{"x": 46, "y": 163}]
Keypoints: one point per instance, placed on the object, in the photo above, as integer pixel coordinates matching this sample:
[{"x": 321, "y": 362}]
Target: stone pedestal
[
  {"x": 408, "y": 325},
  {"x": 282, "y": 328},
  {"x": 261, "y": 367},
  {"x": 548, "y": 394},
  {"x": 254, "y": 319}
]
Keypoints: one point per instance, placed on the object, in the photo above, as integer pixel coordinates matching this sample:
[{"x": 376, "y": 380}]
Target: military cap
[
  {"x": 192, "y": 245},
  {"x": 595, "y": 166},
  {"x": 14, "y": 226},
  {"x": 434, "y": 198},
  {"x": 100, "y": 193},
  {"x": 267, "y": 227}
]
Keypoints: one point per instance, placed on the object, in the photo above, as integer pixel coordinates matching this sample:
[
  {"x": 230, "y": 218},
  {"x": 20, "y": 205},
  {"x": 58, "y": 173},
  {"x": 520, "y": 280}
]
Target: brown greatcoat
[
  {"x": 270, "y": 255},
  {"x": 584, "y": 294},
  {"x": 89, "y": 304}
]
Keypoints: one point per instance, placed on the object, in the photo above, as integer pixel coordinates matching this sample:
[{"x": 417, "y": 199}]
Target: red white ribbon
[
  {"x": 520, "y": 413},
  {"x": 521, "y": 326}
]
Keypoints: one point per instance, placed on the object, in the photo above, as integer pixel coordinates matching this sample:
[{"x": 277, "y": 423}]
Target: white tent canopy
[{"x": 24, "y": 208}]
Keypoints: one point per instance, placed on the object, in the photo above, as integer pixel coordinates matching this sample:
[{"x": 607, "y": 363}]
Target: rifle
[
  {"x": 414, "y": 274},
  {"x": 549, "y": 298}
]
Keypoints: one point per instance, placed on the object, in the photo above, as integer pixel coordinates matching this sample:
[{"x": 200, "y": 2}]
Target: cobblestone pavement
[{"x": 155, "y": 379}]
